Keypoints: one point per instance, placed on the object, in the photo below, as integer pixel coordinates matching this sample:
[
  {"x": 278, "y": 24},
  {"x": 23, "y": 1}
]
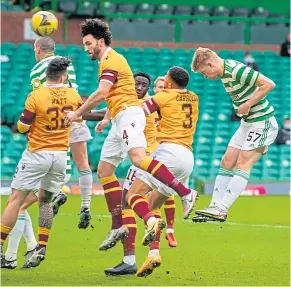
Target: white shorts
[
  {"x": 126, "y": 133},
  {"x": 178, "y": 159},
  {"x": 130, "y": 177},
  {"x": 42, "y": 169},
  {"x": 79, "y": 133},
  {"x": 250, "y": 136}
]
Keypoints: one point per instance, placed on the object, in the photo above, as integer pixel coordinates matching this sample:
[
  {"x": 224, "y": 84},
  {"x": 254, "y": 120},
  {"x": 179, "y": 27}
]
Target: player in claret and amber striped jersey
[
  {"x": 179, "y": 115},
  {"x": 248, "y": 90},
  {"x": 126, "y": 137}
]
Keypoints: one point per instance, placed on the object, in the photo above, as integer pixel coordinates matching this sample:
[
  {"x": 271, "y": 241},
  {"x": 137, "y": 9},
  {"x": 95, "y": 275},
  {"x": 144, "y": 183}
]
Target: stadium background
[
  {"x": 153, "y": 37},
  {"x": 253, "y": 247}
]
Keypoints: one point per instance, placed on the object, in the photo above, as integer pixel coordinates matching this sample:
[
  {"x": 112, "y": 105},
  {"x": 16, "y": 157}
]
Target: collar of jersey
[
  {"x": 46, "y": 85},
  {"x": 105, "y": 54},
  {"x": 47, "y": 57}
]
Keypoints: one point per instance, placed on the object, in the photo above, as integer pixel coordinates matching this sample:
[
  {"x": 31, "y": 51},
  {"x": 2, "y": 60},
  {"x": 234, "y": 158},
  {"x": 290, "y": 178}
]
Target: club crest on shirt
[{"x": 36, "y": 84}]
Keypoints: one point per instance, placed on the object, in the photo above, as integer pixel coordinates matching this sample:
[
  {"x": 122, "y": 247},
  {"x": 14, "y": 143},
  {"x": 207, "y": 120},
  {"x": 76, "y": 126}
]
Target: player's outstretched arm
[
  {"x": 94, "y": 115},
  {"x": 93, "y": 101},
  {"x": 265, "y": 86}
]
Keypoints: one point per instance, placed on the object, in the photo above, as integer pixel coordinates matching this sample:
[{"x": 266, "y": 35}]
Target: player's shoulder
[{"x": 114, "y": 58}]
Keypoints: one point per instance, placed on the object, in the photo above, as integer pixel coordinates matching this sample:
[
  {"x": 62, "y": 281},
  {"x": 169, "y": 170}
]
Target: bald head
[{"x": 46, "y": 44}]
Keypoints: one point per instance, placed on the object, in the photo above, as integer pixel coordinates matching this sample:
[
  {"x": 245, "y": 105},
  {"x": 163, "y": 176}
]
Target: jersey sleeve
[
  {"x": 109, "y": 71},
  {"x": 28, "y": 115},
  {"x": 245, "y": 74},
  {"x": 156, "y": 102}
]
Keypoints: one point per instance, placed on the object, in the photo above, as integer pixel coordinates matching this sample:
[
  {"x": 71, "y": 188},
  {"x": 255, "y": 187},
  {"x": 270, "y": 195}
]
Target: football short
[
  {"x": 130, "y": 177},
  {"x": 79, "y": 133},
  {"x": 178, "y": 159},
  {"x": 126, "y": 133},
  {"x": 42, "y": 169},
  {"x": 250, "y": 136}
]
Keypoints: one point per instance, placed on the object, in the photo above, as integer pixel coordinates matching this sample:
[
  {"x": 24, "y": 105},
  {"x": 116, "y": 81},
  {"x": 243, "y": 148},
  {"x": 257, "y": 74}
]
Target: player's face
[
  {"x": 159, "y": 86},
  {"x": 141, "y": 86},
  {"x": 210, "y": 71},
  {"x": 92, "y": 46},
  {"x": 36, "y": 53},
  {"x": 167, "y": 82}
]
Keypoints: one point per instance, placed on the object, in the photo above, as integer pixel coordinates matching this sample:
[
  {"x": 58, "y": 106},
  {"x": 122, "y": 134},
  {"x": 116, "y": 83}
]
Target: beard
[{"x": 96, "y": 53}]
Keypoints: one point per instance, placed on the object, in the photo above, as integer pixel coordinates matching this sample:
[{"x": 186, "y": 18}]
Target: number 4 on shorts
[{"x": 125, "y": 137}]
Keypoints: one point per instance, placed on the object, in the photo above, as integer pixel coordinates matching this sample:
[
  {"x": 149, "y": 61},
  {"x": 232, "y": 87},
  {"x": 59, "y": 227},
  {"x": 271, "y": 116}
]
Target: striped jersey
[
  {"x": 240, "y": 83},
  {"x": 38, "y": 76}
]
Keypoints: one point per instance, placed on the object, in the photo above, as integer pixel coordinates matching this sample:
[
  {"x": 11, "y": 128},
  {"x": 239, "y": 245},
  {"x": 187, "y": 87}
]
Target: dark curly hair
[
  {"x": 144, "y": 75},
  {"x": 57, "y": 67},
  {"x": 180, "y": 76},
  {"x": 98, "y": 29}
]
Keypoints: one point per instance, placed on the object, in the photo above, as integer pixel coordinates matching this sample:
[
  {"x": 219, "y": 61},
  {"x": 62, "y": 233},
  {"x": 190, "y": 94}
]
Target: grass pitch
[{"x": 251, "y": 249}]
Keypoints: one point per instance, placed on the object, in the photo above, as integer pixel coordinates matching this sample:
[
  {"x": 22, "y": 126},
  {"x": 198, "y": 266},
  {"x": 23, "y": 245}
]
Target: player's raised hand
[
  {"x": 101, "y": 125},
  {"x": 244, "y": 109}
]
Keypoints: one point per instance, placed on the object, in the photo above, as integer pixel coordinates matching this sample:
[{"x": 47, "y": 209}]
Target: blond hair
[
  {"x": 200, "y": 56},
  {"x": 160, "y": 78}
]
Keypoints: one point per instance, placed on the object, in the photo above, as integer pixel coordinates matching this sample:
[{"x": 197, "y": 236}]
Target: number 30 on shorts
[{"x": 253, "y": 136}]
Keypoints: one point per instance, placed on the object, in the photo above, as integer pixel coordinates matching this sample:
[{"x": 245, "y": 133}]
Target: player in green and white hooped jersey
[
  {"x": 248, "y": 91},
  {"x": 44, "y": 48}
]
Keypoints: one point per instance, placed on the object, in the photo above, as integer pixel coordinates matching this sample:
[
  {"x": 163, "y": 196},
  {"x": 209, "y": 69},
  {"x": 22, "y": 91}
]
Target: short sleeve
[
  {"x": 109, "y": 71},
  {"x": 161, "y": 99},
  {"x": 30, "y": 104}
]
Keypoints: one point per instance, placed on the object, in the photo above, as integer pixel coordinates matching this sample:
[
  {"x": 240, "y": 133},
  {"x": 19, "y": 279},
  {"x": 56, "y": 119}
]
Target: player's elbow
[
  {"x": 272, "y": 85},
  {"x": 22, "y": 128}
]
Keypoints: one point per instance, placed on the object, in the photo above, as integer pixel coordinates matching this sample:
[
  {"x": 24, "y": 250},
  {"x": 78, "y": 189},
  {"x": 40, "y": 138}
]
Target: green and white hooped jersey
[
  {"x": 240, "y": 83},
  {"x": 38, "y": 76}
]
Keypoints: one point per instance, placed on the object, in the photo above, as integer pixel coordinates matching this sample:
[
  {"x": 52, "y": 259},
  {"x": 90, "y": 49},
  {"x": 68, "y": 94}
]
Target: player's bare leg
[
  {"x": 238, "y": 183},
  {"x": 45, "y": 222},
  {"x": 113, "y": 196},
  {"x": 223, "y": 178},
  {"x": 159, "y": 171},
  {"x": 80, "y": 157},
  {"x": 153, "y": 260}
]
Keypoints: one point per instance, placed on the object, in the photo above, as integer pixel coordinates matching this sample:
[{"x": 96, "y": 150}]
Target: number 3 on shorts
[{"x": 252, "y": 136}]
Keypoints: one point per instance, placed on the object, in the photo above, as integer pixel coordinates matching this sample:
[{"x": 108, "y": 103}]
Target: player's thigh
[
  {"x": 17, "y": 197},
  {"x": 130, "y": 125},
  {"x": 111, "y": 151},
  {"x": 32, "y": 167},
  {"x": 156, "y": 199},
  {"x": 80, "y": 155},
  {"x": 79, "y": 132},
  {"x": 55, "y": 177},
  {"x": 260, "y": 134}
]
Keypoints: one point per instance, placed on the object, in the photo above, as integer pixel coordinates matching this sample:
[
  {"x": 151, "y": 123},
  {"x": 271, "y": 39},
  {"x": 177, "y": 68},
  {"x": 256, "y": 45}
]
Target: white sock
[
  {"x": 85, "y": 184},
  {"x": 235, "y": 188},
  {"x": 129, "y": 259},
  {"x": 151, "y": 220},
  {"x": 14, "y": 238},
  {"x": 222, "y": 180},
  {"x": 28, "y": 233},
  {"x": 170, "y": 230},
  {"x": 154, "y": 252}
]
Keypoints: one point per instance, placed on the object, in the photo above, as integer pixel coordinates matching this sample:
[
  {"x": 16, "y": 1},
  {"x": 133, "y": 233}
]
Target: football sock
[
  {"x": 28, "y": 233},
  {"x": 14, "y": 238},
  {"x": 155, "y": 246},
  {"x": 128, "y": 219},
  {"x": 85, "y": 184},
  {"x": 221, "y": 182},
  {"x": 169, "y": 208},
  {"x": 113, "y": 196},
  {"x": 43, "y": 237},
  {"x": 141, "y": 207},
  {"x": 236, "y": 186},
  {"x": 5, "y": 230},
  {"x": 159, "y": 171}
]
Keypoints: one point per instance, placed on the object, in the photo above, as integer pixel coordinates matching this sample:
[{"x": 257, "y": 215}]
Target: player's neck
[
  {"x": 46, "y": 56},
  {"x": 103, "y": 52},
  {"x": 221, "y": 64}
]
